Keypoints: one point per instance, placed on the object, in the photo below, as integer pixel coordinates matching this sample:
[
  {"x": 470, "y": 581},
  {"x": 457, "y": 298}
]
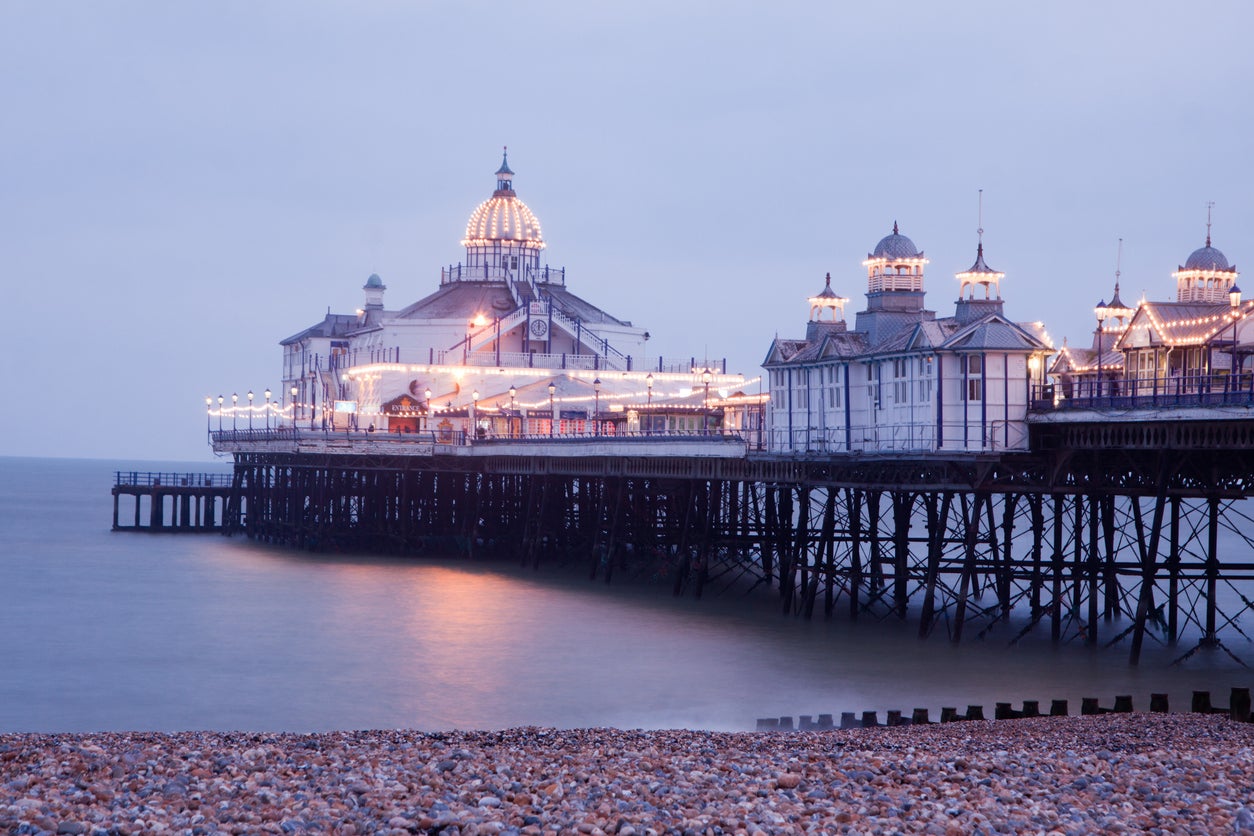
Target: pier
[
  {"x": 173, "y": 502},
  {"x": 1107, "y": 529},
  {"x": 959, "y": 471}
]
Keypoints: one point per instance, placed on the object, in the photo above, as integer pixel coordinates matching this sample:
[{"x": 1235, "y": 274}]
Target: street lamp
[
  {"x": 294, "y": 390},
  {"x": 596, "y": 409},
  {"x": 250, "y": 410},
  {"x": 648, "y": 385},
  {"x": 705, "y": 410},
  {"x": 268, "y": 407},
  {"x": 509, "y": 420},
  {"x": 234, "y": 401},
  {"x": 1234, "y": 299},
  {"x": 552, "y": 411},
  {"x": 1101, "y": 311},
  {"x": 220, "y": 399},
  {"x": 474, "y": 412},
  {"x": 208, "y": 412}
]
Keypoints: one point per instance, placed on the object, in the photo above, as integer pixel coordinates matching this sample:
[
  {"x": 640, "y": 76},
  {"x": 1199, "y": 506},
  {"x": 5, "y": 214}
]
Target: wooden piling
[{"x": 1239, "y": 705}]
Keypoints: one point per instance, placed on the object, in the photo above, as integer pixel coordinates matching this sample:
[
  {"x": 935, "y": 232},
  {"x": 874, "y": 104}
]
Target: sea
[{"x": 118, "y": 631}]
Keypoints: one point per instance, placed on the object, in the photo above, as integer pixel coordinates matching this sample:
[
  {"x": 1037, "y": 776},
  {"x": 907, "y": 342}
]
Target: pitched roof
[
  {"x": 995, "y": 333},
  {"x": 1193, "y": 323},
  {"x": 333, "y": 325},
  {"x": 466, "y": 299}
]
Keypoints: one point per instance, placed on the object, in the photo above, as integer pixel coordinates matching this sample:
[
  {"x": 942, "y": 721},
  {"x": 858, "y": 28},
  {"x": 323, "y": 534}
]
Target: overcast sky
[{"x": 183, "y": 185}]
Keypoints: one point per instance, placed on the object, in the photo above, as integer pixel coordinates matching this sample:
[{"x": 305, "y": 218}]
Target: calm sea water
[{"x": 117, "y": 631}]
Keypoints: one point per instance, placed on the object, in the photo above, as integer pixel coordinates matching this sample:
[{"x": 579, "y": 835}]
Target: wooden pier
[
  {"x": 1106, "y": 532},
  {"x": 173, "y": 502}
]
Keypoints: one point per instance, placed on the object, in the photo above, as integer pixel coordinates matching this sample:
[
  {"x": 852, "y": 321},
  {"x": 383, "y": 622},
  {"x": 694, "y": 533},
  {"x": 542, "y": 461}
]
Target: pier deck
[{"x": 175, "y": 502}]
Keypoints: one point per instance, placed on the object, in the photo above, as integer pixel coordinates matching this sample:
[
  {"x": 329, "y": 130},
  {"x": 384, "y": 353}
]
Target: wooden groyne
[
  {"x": 172, "y": 502},
  {"x": 1238, "y": 709}
]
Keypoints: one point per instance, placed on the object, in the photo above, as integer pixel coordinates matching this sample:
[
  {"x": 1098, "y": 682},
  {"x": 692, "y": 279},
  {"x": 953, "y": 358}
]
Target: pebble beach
[{"x": 1140, "y": 773}]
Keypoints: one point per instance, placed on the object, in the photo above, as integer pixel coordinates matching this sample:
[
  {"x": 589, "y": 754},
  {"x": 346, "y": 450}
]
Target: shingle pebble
[{"x": 1148, "y": 773}]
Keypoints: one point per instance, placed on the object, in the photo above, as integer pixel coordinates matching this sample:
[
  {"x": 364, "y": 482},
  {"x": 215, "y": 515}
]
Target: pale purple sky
[{"x": 183, "y": 185}]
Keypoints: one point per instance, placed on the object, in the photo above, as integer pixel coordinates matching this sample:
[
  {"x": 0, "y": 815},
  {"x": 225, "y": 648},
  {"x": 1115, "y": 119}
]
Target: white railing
[
  {"x": 483, "y": 273},
  {"x": 997, "y": 436}
]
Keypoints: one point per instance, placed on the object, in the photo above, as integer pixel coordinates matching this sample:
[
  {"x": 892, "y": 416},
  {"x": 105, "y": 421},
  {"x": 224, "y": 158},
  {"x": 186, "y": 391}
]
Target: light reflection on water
[{"x": 126, "y": 631}]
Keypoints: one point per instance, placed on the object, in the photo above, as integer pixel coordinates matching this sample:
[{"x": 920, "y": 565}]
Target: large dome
[
  {"x": 503, "y": 218},
  {"x": 895, "y": 246},
  {"x": 1207, "y": 258}
]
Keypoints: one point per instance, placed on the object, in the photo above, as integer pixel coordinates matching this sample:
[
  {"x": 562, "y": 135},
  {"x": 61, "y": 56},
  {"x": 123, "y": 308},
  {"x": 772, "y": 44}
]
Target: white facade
[{"x": 903, "y": 380}]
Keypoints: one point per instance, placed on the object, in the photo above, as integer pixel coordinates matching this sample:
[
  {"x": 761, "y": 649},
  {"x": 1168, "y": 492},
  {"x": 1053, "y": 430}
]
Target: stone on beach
[{"x": 1133, "y": 772}]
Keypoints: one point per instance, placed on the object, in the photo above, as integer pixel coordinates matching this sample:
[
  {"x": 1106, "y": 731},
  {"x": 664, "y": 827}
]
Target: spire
[
  {"x": 980, "y": 273},
  {"x": 979, "y": 230},
  {"x": 1210, "y": 204},
  {"x": 1115, "y": 301},
  {"x": 895, "y": 232},
  {"x": 504, "y": 177}
]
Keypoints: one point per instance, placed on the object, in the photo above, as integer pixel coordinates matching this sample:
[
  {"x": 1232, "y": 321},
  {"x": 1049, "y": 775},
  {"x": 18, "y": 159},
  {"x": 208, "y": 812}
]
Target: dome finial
[
  {"x": 1210, "y": 204},
  {"x": 1119, "y": 264},
  {"x": 504, "y": 172},
  {"x": 895, "y": 232},
  {"x": 829, "y": 279},
  {"x": 979, "y": 230}
]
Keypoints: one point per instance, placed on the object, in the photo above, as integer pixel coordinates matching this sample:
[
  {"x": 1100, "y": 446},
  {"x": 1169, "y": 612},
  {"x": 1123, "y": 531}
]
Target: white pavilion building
[
  {"x": 1194, "y": 344},
  {"x": 903, "y": 379},
  {"x": 502, "y": 346}
]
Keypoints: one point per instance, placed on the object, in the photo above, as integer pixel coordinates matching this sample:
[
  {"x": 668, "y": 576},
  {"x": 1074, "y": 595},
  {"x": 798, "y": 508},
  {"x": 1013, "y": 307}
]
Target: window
[
  {"x": 873, "y": 385},
  {"x": 901, "y": 386},
  {"x": 973, "y": 373},
  {"x": 926, "y": 372}
]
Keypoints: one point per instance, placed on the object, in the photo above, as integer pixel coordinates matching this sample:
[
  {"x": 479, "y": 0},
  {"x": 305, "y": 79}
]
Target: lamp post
[
  {"x": 596, "y": 408},
  {"x": 1100, "y": 312},
  {"x": 509, "y": 421},
  {"x": 1234, "y": 299},
  {"x": 705, "y": 410},
  {"x": 208, "y": 412},
  {"x": 234, "y": 402},
  {"x": 427, "y": 393},
  {"x": 294, "y": 390},
  {"x": 552, "y": 410},
  {"x": 268, "y": 407},
  {"x": 220, "y": 399},
  {"x": 648, "y": 385},
  {"x": 250, "y": 410},
  {"x": 474, "y": 412}
]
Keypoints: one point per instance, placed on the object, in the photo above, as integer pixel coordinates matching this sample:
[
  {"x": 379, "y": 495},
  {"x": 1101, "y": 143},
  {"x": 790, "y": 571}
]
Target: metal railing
[
  {"x": 150, "y": 479},
  {"x": 1146, "y": 393}
]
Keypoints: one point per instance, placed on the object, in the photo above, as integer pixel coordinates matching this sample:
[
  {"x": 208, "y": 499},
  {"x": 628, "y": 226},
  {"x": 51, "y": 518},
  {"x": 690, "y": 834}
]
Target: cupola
[{"x": 1206, "y": 275}]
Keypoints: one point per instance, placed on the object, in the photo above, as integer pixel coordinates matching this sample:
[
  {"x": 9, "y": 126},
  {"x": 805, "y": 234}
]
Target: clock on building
[{"x": 539, "y": 328}]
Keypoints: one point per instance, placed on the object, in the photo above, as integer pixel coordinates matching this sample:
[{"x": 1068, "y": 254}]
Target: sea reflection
[{"x": 108, "y": 631}]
